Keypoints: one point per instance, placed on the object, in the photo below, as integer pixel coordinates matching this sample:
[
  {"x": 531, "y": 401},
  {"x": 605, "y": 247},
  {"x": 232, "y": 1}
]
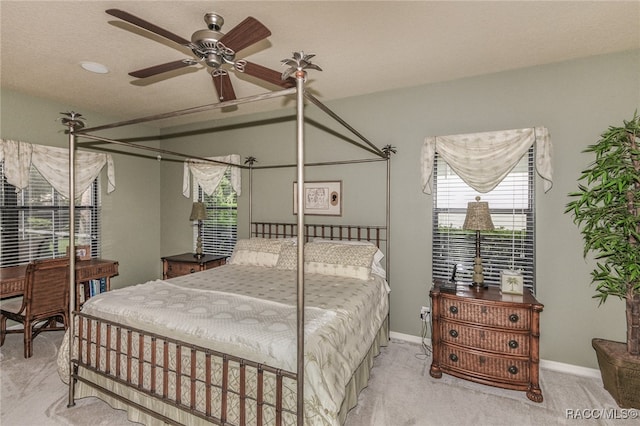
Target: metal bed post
[
  {"x": 388, "y": 150},
  {"x": 250, "y": 161},
  {"x": 73, "y": 121},
  {"x": 300, "y": 78}
]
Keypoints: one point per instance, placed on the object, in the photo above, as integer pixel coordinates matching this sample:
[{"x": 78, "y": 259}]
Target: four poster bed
[{"x": 218, "y": 346}]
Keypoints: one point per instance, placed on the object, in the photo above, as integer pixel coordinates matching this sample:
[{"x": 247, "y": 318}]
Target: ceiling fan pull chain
[{"x": 219, "y": 73}]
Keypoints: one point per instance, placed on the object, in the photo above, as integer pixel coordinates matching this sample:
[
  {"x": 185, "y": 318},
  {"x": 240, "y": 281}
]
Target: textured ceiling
[{"x": 362, "y": 46}]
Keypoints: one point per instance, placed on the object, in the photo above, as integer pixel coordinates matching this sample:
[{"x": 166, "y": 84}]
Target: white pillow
[{"x": 257, "y": 251}]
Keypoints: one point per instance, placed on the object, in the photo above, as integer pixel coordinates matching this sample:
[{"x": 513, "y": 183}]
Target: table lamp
[
  {"x": 478, "y": 219},
  {"x": 199, "y": 213}
]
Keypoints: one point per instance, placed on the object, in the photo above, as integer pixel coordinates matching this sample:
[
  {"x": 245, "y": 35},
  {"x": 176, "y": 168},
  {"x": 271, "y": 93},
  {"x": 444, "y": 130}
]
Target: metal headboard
[{"x": 375, "y": 234}]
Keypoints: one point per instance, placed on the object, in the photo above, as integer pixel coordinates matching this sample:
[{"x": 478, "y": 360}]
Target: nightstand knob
[
  {"x": 513, "y": 369},
  {"x": 513, "y": 344},
  {"x": 514, "y": 317},
  {"x": 453, "y": 333},
  {"x": 453, "y": 309},
  {"x": 453, "y": 357}
]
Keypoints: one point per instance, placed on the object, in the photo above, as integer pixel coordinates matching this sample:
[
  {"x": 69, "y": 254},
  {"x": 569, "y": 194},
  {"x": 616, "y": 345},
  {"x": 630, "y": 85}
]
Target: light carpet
[{"x": 400, "y": 393}]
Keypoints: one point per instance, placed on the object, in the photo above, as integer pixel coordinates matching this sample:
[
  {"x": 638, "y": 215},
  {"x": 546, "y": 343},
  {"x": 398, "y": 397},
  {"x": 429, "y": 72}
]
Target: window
[
  {"x": 220, "y": 229},
  {"x": 510, "y": 246},
  {"x": 34, "y": 223}
]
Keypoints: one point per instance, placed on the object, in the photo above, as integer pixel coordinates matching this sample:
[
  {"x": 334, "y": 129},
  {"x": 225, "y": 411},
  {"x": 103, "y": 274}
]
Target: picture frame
[
  {"x": 511, "y": 282},
  {"x": 320, "y": 198},
  {"x": 82, "y": 252}
]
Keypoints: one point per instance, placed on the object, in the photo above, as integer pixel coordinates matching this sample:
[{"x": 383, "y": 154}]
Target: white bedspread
[{"x": 250, "y": 312}]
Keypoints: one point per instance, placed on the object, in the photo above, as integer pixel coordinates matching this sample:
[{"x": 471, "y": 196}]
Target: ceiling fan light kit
[{"x": 214, "y": 49}]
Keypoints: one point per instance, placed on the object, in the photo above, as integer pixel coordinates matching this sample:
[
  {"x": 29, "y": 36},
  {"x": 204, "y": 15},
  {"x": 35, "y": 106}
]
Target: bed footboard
[{"x": 210, "y": 385}]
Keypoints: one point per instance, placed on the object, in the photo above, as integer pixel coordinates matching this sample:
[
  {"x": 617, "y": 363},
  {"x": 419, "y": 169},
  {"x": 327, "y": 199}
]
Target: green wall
[
  {"x": 575, "y": 100},
  {"x": 130, "y": 214}
]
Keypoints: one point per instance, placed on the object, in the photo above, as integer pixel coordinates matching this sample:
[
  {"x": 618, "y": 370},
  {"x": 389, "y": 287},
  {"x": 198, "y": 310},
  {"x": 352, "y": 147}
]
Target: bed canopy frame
[{"x": 75, "y": 124}]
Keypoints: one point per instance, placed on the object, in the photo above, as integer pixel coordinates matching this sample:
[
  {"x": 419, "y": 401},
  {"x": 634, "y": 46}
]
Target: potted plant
[{"x": 607, "y": 209}]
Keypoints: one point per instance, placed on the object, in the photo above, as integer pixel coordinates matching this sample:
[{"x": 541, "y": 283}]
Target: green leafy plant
[{"x": 607, "y": 209}]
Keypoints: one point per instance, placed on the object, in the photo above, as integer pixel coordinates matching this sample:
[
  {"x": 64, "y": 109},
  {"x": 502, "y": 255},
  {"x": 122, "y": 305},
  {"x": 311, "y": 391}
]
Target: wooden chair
[{"x": 45, "y": 300}]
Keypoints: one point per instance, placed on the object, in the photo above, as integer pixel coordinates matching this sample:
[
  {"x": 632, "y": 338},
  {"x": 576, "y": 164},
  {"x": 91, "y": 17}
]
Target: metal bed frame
[{"x": 120, "y": 356}]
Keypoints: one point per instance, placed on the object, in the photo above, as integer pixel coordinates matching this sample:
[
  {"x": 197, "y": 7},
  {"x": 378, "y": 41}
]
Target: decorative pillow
[
  {"x": 376, "y": 266},
  {"x": 257, "y": 251},
  {"x": 288, "y": 257},
  {"x": 345, "y": 260}
]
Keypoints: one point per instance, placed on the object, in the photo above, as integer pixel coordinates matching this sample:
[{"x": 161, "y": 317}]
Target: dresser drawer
[
  {"x": 494, "y": 314},
  {"x": 504, "y": 342},
  {"x": 488, "y": 365}
]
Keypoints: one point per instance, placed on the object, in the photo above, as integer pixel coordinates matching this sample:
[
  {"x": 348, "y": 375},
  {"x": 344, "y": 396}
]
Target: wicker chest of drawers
[{"x": 483, "y": 336}]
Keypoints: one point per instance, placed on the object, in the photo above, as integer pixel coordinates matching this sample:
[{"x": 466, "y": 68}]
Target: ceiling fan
[{"x": 213, "y": 48}]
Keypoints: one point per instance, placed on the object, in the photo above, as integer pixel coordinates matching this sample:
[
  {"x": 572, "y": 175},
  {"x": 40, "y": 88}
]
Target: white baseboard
[
  {"x": 546, "y": 364},
  {"x": 409, "y": 338},
  {"x": 570, "y": 369}
]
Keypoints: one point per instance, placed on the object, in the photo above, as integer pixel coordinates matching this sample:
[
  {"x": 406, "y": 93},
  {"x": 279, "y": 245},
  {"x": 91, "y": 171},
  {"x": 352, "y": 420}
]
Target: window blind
[
  {"x": 511, "y": 245},
  {"x": 220, "y": 229},
  {"x": 34, "y": 222}
]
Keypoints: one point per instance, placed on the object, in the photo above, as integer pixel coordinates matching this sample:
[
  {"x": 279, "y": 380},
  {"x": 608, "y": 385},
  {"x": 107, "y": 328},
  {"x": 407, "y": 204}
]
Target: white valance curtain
[
  {"x": 53, "y": 165},
  {"x": 482, "y": 160},
  {"x": 208, "y": 175}
]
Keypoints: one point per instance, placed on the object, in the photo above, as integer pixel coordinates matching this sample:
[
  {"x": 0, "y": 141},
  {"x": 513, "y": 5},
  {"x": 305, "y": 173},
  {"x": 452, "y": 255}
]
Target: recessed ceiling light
[{"x": 94, "y": 67}]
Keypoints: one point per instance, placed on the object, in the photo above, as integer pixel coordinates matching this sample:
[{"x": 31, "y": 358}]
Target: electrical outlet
[{"x": 425, "y": 313}]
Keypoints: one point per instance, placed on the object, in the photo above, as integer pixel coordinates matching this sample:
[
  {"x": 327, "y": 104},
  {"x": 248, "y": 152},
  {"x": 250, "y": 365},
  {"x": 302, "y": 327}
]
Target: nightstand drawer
[
  {"x": 176, "y": 269},
  {"x": 187, "y": 263},
  {"x": 485, "y": 314},
  {"x": 505, "y": 342},
  {"x": 493, "y": 367}
]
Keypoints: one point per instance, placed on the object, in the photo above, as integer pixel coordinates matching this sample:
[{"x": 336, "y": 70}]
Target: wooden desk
[{"x": 12, "y": 278}]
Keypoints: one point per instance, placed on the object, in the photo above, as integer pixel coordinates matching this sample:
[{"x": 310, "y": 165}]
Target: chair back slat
[{"x": 47, "y": 286}]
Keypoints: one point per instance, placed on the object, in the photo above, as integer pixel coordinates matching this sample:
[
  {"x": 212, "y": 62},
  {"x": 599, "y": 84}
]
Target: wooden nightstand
[
  {"x": 187, "y": 263},
  {"x": 483, "y": 336}
]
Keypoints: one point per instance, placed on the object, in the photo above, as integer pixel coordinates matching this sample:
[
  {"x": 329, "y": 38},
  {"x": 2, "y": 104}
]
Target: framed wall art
[
  {"x": 320, "y": 198},
  {"x": 511, "y": 282}
]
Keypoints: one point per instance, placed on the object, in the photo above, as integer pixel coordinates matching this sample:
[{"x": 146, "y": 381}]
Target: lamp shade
[
  {"x": 198, "y": 212},
  {"x": 478, "y": 217}
]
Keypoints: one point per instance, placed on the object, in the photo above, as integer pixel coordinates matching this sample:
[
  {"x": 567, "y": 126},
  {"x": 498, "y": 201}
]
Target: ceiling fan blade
[
  {"x": 125, "y": 16},
  {"x": 245, "y": 34},
  {"x": 223, "y": 85},
  {"x": 268, "y": 75},
  {"x": 158, "y": 69}
]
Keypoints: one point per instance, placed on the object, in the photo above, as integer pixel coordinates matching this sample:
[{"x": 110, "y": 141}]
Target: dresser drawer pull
[
  {"x": 513, "y": 369},
  {"x": 453, "y": 309},
  {"x": 513, "y": 344},
  {"x": 453, "y": 357},
  {"x": 514, "y": 318},
  {"x": 192, "y": 270},
  {"x": 453, "y": 333}
]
